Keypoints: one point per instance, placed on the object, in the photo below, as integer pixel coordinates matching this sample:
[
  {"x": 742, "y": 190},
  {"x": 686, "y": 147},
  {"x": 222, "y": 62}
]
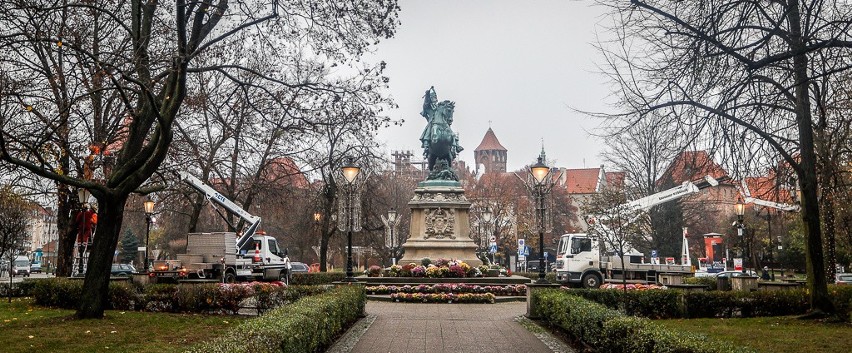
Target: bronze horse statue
[{"x": 438, "y": 140}]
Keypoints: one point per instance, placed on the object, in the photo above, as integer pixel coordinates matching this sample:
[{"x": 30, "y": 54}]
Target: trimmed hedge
[
  {"x": 710, "y": 282},
  {"x": 310, "y": 324},
  {"x": 180, "y": 298},
  {"x": 607, "y": 330},
  {"x": 19, "y": 289},
  {"x": 316, "y": 278},
  {"x": 655, "y": 304},
  {"x": 667, "y": 304},
  {"x": 549, "y": 276}
]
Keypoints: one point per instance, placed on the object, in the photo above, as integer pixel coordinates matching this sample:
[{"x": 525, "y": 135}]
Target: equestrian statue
[{"x": 440, "y": 144}]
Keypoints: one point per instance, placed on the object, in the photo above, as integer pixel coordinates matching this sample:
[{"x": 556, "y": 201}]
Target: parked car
[
  {"x": 730, "y": 274},
  {"x": 298, "y": 267},
  {"x": 843, "y": 278},
  {"x": 35, "y": 267},
  {"x": 122, "y": 270}
]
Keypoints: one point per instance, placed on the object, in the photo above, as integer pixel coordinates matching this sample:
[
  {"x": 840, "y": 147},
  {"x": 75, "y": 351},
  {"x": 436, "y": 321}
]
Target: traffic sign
[
  {"x": 526, "y": 251},
  {"x": 493, "y": 248},
  {"x": 653, "y": 253},
  {"x": 545, "y": 254},
  {"x": 492, "y": 239},
  {"x": 520, "y": 243}
]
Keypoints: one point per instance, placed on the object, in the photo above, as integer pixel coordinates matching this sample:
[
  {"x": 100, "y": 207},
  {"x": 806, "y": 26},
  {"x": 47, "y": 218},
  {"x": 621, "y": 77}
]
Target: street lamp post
[
  {"x": 486, "y": 218},
  {"x": 540, "y": 171},
  {"x": 771, "y": 243},
  {"x": 392, "y": 224},
  {"x": 149, "y": 212},
  {"x": 739, "y": 207},
  {"x": 350, "y": 173},
  {"x": 83, "y": 196}
]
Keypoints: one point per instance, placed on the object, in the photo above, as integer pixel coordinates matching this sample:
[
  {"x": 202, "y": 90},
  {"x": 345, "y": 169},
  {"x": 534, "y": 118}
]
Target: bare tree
[
  {"x": 616, "y": 227},
  {"x": 141, "y": 53},
  {"x": 741, "y": 73}
]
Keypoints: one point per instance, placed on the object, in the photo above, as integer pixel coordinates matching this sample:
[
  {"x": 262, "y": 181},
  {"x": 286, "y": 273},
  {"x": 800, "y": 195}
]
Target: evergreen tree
[{"x": 129, "y": 246}]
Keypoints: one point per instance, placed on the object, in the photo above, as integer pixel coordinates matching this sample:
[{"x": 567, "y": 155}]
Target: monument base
[
  {"x": 440, "y": 224},
  {"x": 462, "y": 250}
]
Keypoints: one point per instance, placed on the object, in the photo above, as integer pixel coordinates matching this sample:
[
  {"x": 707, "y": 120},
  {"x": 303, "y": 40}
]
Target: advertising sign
[{"x": 738, "y": 264}]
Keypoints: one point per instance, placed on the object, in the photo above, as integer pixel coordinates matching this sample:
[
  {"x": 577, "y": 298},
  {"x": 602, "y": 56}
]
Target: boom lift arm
[
  {"x": 771, "y": 204},
  {"x": 213, "y": 195},
  {"x": 688, "y": 187}
]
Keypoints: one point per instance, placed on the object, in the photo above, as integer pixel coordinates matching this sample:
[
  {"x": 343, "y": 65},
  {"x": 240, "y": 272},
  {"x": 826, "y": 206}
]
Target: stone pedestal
[{"x": 440, "y": 224}]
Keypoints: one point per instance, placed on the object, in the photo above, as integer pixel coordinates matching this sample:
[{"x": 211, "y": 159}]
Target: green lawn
[
  {"x": 773, "y": 334},
  {"x": 26, "y": 328}
]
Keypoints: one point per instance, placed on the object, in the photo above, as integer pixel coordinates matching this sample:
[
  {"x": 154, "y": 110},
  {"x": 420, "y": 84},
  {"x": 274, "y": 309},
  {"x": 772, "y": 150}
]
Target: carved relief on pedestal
[
  {"x": 439, "y": 197},
  {"x": 440, "y": 223}
]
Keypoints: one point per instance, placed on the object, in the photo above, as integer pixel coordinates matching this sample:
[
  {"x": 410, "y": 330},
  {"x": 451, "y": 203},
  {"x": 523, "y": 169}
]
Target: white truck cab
[{"x": 578, "y": 260}]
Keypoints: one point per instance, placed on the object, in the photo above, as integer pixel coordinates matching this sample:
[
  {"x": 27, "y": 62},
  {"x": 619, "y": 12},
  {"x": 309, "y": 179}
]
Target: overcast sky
[{"x": 519, "y": 66}]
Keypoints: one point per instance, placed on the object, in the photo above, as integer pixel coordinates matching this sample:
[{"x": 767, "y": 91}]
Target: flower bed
[
  {"x": 638, "y": 286},
  {"x": 508, "y": 290},
  {"x": 440, "y": 268},
  {"x": 466, "y": 298}
]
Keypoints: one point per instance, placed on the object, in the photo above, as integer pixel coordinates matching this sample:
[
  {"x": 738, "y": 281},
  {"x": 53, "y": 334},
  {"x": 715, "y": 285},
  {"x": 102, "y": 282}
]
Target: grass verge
[
  {"x": 29, "y": 328},
  {"x": 778, "y": 334}
]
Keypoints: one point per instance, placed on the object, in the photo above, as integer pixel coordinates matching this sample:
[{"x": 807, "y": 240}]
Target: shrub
[
  {"x": 425, "y": 262},
  {"x": 607, "y": 330},
  {"x": 709, "y": 282},
  {"x": 183, "y": 298},
  {"x": 654, "y": 304},
  {"x": 58, "y": 293},
  {"x": 20, "y": 289},
  {"x": 549, "y": 276},
  {"x": 308, "y": 325},
  {"x": 663, "y": 304},
  {"x": 316, "y": 278},
  {"x": 842, "y": 298}
]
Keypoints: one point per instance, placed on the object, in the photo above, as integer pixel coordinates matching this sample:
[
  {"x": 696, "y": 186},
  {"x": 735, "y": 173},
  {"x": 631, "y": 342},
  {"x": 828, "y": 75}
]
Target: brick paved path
[{"x": 449, "y": 328}]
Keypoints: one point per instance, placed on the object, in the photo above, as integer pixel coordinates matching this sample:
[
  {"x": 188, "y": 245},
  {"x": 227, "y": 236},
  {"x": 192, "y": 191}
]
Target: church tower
[{"x": 490, "y": 156}]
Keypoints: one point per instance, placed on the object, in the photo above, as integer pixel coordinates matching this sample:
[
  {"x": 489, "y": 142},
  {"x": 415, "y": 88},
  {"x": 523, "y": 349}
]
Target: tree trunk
[
  {"x": 817, "y": 286},
  {"x": 93, "y": 302}
]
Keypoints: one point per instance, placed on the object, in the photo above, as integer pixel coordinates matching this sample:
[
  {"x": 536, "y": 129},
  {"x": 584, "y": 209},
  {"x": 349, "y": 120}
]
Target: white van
[{"x": 21, "y": 267}]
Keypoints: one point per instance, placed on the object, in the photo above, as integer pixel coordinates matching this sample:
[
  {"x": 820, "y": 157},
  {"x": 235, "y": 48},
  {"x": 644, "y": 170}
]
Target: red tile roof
[
  {"x": 490, "y": 142},
  {"x": 765, "y": 188},
  {"x": 582, "y": 181},
  {"x": 692, "y": 165},
  {"x": 284, "y": 170},
  {"x": 615, "y": 179}
]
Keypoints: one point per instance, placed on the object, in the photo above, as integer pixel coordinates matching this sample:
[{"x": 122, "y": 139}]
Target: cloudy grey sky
[{"x": 520, "y": 65}]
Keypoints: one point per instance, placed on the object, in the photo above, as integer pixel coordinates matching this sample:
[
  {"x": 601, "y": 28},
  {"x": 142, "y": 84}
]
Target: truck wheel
[
  {"x": 591, "y": 280},
  {"x": 284, "y": 277},
  {"x": 230, "y": 278}
]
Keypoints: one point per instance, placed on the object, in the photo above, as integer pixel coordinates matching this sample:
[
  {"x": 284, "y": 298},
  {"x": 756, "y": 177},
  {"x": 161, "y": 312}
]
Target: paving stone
[{"x": 447, "y": 328}]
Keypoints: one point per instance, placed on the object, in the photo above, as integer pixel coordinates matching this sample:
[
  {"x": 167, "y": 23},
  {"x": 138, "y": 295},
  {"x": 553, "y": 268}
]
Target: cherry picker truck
[
  {"x": 579, "y": 259},
  {"x": 226, "y": 256}
]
